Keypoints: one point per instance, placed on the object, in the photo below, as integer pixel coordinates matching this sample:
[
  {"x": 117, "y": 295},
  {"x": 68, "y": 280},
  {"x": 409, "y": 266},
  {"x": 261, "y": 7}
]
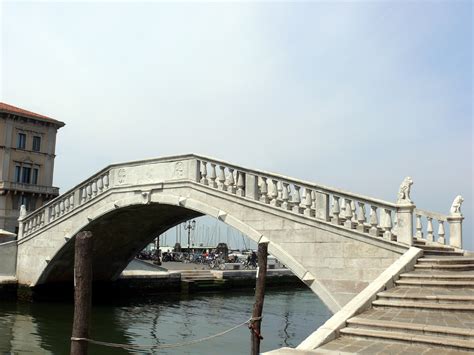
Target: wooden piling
[
  {"x": 256, "y": 321},
  {"x": 82, "y": 292}
]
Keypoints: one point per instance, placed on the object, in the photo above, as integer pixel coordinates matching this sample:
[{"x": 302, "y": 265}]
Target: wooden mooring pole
[
  {"x": 256, "y": 321},
  {"x": 82, "y": 292}
]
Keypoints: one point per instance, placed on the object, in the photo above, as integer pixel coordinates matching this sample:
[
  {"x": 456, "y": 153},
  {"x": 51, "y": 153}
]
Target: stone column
[
  {"x": 405, "y": 223},
  {"x": 455, "y": 230}
]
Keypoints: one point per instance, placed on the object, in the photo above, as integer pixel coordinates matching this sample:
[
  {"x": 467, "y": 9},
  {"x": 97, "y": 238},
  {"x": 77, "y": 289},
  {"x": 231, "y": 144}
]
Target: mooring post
[
  {"x": 256, "y": 321},
  {"x": 82, "y": 292}
]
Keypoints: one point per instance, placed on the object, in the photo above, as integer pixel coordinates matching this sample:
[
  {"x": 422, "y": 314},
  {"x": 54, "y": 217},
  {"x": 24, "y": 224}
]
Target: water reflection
[{"x": 289, "y": 316}]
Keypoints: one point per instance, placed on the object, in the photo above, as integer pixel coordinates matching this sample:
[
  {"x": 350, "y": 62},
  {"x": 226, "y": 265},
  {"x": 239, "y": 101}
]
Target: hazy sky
[{"x": 351, "y": 94}]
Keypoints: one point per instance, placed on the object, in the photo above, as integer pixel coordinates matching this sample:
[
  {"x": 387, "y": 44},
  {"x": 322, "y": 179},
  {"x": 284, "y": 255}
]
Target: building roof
[{"x": 6, "y": 108}]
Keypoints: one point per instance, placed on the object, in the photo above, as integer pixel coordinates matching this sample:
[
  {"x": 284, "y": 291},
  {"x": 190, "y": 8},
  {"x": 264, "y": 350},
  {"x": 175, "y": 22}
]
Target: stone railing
[
  {"x": 431, "y": 226},
  {"x": 425, "y": 219},
  {"x": 372, "y": 217},
  {"x": 64, "y": 204},
  {"x": 367, "y": 215}
]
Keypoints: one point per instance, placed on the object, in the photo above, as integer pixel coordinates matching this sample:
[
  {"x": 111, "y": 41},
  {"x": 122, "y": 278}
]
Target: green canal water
[{"x": 45, "y": 327}]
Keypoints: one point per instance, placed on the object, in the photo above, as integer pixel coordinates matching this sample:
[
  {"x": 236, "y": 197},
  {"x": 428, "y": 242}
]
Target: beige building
[{"x": 27, "y": 152}]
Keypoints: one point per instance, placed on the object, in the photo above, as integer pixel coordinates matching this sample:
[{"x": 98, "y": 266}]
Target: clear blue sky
[{"x": 351, "y": 94}]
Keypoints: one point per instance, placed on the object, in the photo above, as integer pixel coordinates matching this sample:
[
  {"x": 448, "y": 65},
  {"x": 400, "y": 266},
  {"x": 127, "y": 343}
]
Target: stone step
[
  {"x": 419, "y": 241},
  {"x": 458, "y": 307},
  {"x": 435, "y": 283},
  {"x": 445, "y": 267},
  {"x": 435, "y": 248},
  {"x": 453, "y": 276},
  {"x": 413, "y": 338},
  {"x": 198, "y": 279},
  {"x": 196, "y": 273},
  {"x": 411, "y": 328},
  {"x": 393, "y": 296},
  {"x": 445, "y": 261},
  {"x": 443, "y": 253}
]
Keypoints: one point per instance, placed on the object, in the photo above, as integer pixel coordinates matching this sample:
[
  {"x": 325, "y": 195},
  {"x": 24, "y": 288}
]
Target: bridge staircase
[{"x": 431, "y": 307}]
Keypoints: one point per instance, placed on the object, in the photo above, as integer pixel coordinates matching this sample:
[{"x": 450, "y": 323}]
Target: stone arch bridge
[{"x": 336, "y": 241}]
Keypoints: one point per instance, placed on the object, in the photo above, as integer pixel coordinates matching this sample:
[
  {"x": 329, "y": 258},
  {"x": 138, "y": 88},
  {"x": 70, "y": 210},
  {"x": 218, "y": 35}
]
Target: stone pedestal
[
  {"x": 455, "y": 230},
  {"x": 405, "y": 223}
]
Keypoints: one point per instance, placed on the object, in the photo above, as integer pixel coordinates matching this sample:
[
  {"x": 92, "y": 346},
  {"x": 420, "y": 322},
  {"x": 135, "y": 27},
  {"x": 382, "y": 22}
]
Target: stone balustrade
[
  {"x": 439, "y": 228},
  {"x": 64, "y": 204},
  {"x": 372, "y": 217},
  {"x": 93, "y": 188}
]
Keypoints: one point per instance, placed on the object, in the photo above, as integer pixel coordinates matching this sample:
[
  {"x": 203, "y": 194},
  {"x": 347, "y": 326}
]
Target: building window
[
  {"x": 34, "y": 177},
  {"x": 36, "y": 143},
  {"x": 21, "y": 143},
  {"x": 26, "y": 175},
  {"x": 17, "y": 173}
]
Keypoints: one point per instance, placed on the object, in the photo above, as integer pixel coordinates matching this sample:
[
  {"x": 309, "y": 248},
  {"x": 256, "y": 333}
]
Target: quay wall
[{"x": 8, "y": 252}]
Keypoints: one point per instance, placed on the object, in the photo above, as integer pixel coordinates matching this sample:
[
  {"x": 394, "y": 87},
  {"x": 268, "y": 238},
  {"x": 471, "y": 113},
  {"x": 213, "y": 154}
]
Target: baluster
[
  {"x": 212, "y": 176},
  {"x": 361, "y": 219},
  {"x": 388, "y": 224},
  {"x": 441, "y": 233},
  {"x": 204, "y": 180},
  {"x": 348, "y": 214},
  {"x": 89, "y": 192},
  {"x": 280, "y": 192},
  {"x": 57, "y": 210},
  {"x": 83, "y": 195},
  {"x": 273, "y": 192},
  {"x": 285, "y": 196},
  {"x": 308, "y": 202},
  {"x": 221, "y": 179},
  {"x": 296, "y": 199},
  {"x": 429, "y": 230},
  {"x": 336, "y": 210},
  {"x": 100, "y": 184},
  {"x": 66, "y": 204},
  {"x": 94, "y": 188},
  {"x": 240, "y": 183},
  {"x": 263, "y": 190},
  {"x": 106, "y": 180},
  {"x": 71, "y": 201},
  {"x": 354, "y": 214},
  {"x": 419, "y": 227},
  {"x": 51, "y": 214},
  {"x": 231, "y": 181}
]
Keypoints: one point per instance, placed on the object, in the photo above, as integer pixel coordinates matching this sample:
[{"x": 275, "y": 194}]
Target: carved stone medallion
[
  {"x": 179, "y": 170},
  {"x": 122, "y": 175}
]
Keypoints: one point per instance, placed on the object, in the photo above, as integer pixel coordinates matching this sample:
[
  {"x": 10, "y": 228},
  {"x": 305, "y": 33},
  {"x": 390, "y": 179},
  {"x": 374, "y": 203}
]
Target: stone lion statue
[
  {"x": 456, "y": 206},
  {"x": 404, "y": 191}
]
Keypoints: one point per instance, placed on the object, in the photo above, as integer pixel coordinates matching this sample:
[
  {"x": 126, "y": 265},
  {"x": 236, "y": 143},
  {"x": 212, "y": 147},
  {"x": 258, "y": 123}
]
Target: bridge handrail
[{"x": 430, "y": 214}]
